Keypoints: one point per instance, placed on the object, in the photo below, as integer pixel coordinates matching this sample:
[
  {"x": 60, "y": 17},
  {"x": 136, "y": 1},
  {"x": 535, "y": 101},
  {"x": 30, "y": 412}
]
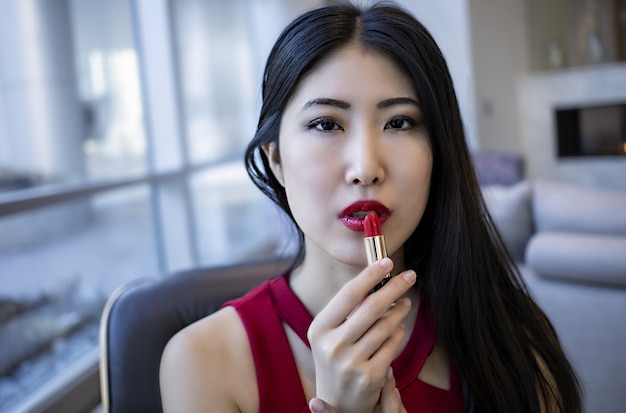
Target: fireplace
[{"x": 591, "y": 131}]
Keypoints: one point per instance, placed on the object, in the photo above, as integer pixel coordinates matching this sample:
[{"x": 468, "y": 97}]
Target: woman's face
[{"x": 352, "y": 139}]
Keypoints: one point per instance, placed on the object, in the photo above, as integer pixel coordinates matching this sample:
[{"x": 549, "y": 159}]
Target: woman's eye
[
  {"x": 324, "y": 125},
  {"x": 401, "y": 123}
]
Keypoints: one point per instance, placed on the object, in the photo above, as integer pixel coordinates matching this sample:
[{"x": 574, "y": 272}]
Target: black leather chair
[{"x": 141, "y": 316}]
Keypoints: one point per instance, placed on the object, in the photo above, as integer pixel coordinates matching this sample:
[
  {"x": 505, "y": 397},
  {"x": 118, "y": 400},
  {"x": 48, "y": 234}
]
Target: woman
[{"x": 359, "y": 114}]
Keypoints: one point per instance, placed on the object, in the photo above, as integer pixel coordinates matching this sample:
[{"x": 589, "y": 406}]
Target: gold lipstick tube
[{"x": 375, "y": 249}]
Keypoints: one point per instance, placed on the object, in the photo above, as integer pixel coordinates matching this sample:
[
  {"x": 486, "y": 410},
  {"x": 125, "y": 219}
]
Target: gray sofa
[{"x": 570, "y": 243}]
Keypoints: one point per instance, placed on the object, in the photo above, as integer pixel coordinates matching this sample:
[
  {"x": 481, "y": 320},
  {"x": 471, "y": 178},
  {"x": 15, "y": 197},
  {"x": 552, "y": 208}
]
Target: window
[{"x": 122, "y": 128}]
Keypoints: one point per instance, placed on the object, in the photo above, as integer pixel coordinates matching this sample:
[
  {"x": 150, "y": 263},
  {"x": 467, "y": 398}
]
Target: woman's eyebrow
[
  {"x": 341, "y": 104},
  {"x": 327, "y": 101},
  {"x": 397, "y": 101}
]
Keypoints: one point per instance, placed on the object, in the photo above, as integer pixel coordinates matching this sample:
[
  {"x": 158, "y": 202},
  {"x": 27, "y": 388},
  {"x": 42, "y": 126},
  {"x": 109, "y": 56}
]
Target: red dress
[{"x": 266, "y": 307}]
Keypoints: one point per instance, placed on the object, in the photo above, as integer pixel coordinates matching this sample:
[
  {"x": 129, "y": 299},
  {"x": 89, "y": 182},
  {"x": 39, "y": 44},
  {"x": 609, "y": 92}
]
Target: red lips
[{"x": 354, "y": 215}]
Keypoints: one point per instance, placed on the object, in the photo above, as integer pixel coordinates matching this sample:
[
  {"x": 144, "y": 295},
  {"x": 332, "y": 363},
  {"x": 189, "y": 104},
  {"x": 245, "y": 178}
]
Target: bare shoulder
[{"x": 208, "y": 366}]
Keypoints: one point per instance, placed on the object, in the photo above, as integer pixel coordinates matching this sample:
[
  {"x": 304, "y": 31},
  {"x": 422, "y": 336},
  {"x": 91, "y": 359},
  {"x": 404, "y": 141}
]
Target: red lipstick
[
  {"x": 353, "y": 216},
  {"x": 371, "y": 225},
  {"x": 375, "y": 247}
]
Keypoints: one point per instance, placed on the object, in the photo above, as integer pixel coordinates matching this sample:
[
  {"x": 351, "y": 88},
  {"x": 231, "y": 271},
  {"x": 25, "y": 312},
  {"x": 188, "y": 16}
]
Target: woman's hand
[
  {"x": 355, "y": 338},
  {"x": 390, "y": 401}
]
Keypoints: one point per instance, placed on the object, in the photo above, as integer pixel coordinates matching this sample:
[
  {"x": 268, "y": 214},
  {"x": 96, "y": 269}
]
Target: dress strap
[
  {"x": 290, "y": 308},
  {"x": 273, "y": 360}
]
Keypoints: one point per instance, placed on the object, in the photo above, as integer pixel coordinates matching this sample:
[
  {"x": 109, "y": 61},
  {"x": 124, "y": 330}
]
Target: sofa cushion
[
  {"x": 587, "y": 258},
  {"x": 589, "y": 321},
  {"x": 497, "y": 167},
  {"x": 510, "y": 209},
  {"x": 574, "y": 208}
]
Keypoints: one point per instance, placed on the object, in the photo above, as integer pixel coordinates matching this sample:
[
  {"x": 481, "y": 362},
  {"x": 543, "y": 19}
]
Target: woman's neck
[{"x": 320, "y": 277}]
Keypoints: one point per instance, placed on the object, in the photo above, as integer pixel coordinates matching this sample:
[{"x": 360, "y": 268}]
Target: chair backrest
[{"x": 140, "y": 318}]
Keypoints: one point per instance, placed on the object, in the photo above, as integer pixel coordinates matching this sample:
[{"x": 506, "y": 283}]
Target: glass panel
[
  {"x": 109, "y": 88},
  {"x": 235, "y": 221},
  {"x": 57, "y": 267},
  {"x": 217, "y": 72},
  {"x": 70, "y": 106},
  {"x": 221, "y": 50}
]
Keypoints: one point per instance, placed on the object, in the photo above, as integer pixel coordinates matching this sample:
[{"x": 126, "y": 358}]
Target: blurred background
[{"x": 123, "y": 124}]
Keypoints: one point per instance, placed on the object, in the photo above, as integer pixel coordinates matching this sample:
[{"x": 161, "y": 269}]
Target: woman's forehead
[{"x": 352, "y": 71}]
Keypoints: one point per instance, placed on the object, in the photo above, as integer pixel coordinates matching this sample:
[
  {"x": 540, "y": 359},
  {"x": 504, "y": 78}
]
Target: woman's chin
[{"x": 356, "y": 261}]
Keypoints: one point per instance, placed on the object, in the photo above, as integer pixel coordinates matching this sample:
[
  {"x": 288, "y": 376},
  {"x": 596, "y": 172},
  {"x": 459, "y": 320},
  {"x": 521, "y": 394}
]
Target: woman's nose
[{"x": 364, "y": 166}]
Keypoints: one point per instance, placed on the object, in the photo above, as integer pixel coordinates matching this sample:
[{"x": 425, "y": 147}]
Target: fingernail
[
  {"x": 317, "y": 405},
  {"x": 398, "y": 394},
  {"x": 386, "y": 264},
  {"x": 410, "y": 276},
  {"x": 390, "y": 373}
]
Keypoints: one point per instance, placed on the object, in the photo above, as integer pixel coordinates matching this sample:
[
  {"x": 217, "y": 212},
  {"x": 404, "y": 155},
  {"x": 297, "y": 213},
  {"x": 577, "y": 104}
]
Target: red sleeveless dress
[{"x": 266, "y": 307}]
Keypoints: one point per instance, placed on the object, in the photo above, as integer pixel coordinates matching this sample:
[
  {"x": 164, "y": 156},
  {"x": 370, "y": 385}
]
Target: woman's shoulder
[
  {"x": 209, "y": 363},
  {"x": 217, "y": 331}
]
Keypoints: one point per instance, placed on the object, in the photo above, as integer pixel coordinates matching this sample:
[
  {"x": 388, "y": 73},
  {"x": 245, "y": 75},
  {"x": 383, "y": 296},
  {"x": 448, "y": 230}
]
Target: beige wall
[
  {"x": 516, "y": 94},
  {"x": 549, "y": 23},
  {"x": 499, "y": 46},
  {"x": 449, "y": 23}
]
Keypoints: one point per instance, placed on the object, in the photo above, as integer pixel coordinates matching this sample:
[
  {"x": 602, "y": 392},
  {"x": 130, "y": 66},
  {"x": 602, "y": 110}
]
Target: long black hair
[{"x": 498, "y": 339}]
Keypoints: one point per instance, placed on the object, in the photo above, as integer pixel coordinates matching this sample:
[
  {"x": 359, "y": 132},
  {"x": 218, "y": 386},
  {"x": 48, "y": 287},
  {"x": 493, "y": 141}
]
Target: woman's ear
[{"x": 271, "y": 151}]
